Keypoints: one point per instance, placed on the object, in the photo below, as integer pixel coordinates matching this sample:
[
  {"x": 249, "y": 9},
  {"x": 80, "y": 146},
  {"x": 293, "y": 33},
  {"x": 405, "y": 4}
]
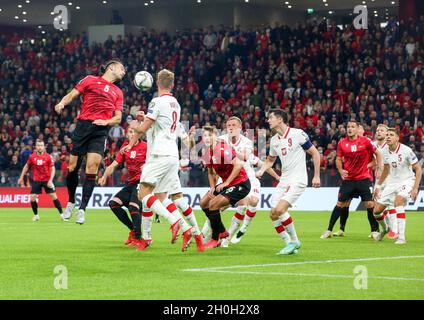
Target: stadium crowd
[{"x": 322, "y": 74}]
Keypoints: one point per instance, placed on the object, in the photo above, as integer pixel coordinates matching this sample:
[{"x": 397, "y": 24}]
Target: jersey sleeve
[
  {"x": 411, "y": 156},
  {"x": 120, "y": 158},
  {"x": 82, "y": 85},
  {"x": 371, "y": 146},
  {"x": 50, "y": 161},
  {"x": 304, "y": 140},
  {"x": 152, "y": 111},
  {"x": 119, "y": 103},
  {"x": 272, "y": 151},
  {"x": 29, "y": 161}
]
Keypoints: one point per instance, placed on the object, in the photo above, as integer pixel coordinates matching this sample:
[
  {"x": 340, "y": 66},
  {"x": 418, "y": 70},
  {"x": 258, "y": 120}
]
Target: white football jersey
[
  {"x": 243, "y": 143},
  {"x": 400, "y": 162},
  {"x": 162, "y": 140},
  {"x": 291, "y": 148}
]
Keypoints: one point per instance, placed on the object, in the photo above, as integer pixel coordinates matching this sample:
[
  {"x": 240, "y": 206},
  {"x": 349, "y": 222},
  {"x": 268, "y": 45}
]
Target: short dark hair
[
  {"x": 354, "y": 121},
  {"x": 280, "y": 113},
  {"x": 209, "y": 129},
  {"x": 395, "y": 130},
  {"x": 104, "y": 67}
]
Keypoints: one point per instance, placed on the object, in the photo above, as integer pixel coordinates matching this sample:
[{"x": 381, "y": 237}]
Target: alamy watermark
[
  {"x": 61, "y": 20},
  {"x": 61, "y": 277},
  {"x": 361, "y": 20},
  {"x": 360, "y": 281}
]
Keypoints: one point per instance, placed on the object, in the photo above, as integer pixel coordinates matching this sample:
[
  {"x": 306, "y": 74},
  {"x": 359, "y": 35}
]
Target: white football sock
[
  {"x": 278, "y": 225},
  {"x": 250, "y": 214},
  {"x": 400, "y": 215},
  {"x": 171, "y": 207},
  {"x": 393, "y": 220},
  {"x": 206, "y": 229},
  {"x": 146, "y": 222},
  {"x": 188, "y": 213},
  {"x": 236, "y": 219},
  {"x": 151, "y": 202},
  {"x": 289, "y": 226}
]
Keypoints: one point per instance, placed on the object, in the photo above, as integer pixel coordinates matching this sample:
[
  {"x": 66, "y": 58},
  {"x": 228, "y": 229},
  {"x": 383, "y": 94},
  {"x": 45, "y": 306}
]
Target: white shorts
[
  {"x": 390, "y": 191},
  {"x": 255, "y": 188},
  {"x": 288, "y": 192},
  {"x": 162, "y": 173}
]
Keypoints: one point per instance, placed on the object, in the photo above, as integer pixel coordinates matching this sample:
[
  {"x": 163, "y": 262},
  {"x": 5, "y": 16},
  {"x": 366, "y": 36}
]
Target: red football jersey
[
  {"x": 135, "y": 159},
  {"x": 219, "y": 158},
  {"x": 356, "y": 155},
  {"x": 100, "y": 98},
  {"x": 41, "y": 166}
]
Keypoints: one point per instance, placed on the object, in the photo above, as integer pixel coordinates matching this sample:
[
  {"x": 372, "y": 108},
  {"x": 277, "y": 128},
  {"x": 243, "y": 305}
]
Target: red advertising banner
[{"x": 19, "y": 198}]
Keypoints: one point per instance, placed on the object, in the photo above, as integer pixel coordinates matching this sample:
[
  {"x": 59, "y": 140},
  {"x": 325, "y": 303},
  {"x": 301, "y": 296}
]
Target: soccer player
[
  {"x": 101, "y": 107},
  {"x": 401, "y": 183},
  {"x": 221, "y": 160},
  {"x": 173, "y": 189},
  {"x": 162, "y": 163},
  {"x": 291, "y": 146},
  {"x": 353, "y": 158},
  {"x": 127, "y": 196},
  {"x": 43, "y": 170},
  {"x": 246, "y": 208},
  {"x": 379, "y": 143}
]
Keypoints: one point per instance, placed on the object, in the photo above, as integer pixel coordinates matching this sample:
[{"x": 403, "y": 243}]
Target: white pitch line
[
  {"x": 311, "y": 275},
  {"x": 301, "y": 263}
]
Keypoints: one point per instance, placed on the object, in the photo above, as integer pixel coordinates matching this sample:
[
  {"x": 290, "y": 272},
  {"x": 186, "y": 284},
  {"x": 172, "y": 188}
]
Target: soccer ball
[{"x": 143, "y": 81}]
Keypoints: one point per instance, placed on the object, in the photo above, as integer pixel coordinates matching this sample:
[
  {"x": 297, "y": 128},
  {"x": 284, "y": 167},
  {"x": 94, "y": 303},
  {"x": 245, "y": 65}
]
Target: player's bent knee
[
  {"x": 176, "y": 196},
  {"x": 369, "y": 204},
  {"x": 135, "y": 205},
  {"x": 114, "y": 204}
]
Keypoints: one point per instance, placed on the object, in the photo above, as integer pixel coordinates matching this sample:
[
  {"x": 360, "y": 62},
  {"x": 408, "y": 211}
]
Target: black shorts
[
  {"x": 236, "y": 192},
  {"x": 128, "y": 194},
  {"x": 37, "y": 187},
  {"x": 355, "y": 189},
  {"x": 89, "y": 138}
]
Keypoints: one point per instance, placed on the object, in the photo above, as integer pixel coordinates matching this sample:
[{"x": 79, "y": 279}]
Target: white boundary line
[
  {"x": 214, "y": 269},
  {"x": 312, "y": 275},
  {"x": 227, "y": 268}
]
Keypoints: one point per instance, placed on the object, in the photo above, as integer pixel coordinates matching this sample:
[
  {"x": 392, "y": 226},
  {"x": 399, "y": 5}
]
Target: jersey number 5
[{"x": 174, "y": 121}]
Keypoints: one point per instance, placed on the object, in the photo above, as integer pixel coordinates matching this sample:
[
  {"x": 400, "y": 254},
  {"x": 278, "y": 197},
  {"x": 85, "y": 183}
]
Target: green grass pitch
[{"x": 99, "y": 266}]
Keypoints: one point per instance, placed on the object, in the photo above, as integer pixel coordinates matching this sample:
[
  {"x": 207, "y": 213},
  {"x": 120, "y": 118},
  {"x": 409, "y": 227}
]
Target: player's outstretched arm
[
  {"x": 313, "y": 152},
  {"x": 383, "y": 176},
  {"x": 418, "y": 174},
  {"x": 71, "y": 96},
  {"x": 23, "y": 174},
  {"x": 270, "y": 171},
  {"x": 269, "y": 162},
  {"x": 108, "y": 172},
  {"x": 139, "y": 129}
]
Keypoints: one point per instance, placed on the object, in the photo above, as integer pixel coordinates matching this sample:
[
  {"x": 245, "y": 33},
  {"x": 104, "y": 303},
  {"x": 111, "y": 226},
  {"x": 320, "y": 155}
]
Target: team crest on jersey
[
  {"x": 394, "y": 164},
  {"x": 227, "y": 153}
]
